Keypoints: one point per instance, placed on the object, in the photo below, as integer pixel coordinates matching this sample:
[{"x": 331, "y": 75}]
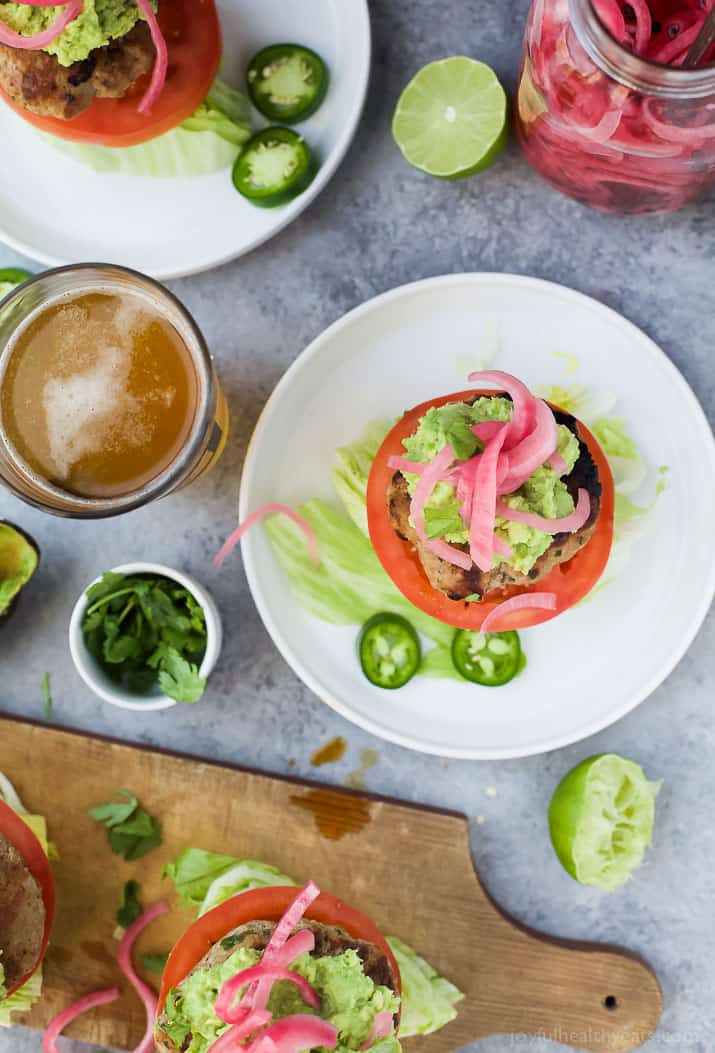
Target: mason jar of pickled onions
[{"x": 607, "y": 112}]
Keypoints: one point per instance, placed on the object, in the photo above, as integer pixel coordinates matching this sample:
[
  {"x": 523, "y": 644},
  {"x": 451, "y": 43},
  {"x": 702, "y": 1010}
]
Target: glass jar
[
  {"x": 610, "y": 128},
  {"x": 206, "y": 437}
]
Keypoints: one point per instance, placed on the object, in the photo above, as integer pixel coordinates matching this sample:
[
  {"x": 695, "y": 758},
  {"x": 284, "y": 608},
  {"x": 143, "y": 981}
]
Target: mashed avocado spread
[
  {"x": 544, "y": 493},
  {"x": 3, "y": 989},
  {"x": 100, "y": 22},
  {"x": 349, "y": 1000}
]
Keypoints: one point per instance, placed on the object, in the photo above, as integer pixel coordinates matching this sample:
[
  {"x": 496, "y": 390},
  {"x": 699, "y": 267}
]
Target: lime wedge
[
  {"x": 451, "y": 119},
  {"x": 601, "y": 820}
]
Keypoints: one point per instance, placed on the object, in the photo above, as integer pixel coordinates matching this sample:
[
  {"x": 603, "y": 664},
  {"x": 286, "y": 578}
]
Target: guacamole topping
[
  {"x": 100, "y": 22},
  {"x": 349, "y": 1000},
  {"x": 544, "y": 493},
  {"x": 3, "y": 989}
]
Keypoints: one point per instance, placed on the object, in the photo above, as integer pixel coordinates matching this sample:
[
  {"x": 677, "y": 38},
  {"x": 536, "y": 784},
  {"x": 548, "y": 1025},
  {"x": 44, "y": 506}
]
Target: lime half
[
  {"x": 451, "y": 119},
  {"x": 601, "y": 820}
]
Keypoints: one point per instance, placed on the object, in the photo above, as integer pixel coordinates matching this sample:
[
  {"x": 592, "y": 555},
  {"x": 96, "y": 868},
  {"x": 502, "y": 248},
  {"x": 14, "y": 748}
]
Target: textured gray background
[{"x": 378, "y": 225}]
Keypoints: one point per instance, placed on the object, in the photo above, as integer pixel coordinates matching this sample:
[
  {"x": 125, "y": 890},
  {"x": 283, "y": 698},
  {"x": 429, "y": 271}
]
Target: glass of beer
[{"x": 108, "y": 395}]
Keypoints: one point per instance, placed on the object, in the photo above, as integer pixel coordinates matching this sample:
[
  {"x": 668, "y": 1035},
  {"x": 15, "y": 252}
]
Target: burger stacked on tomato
[
  {"x": 26, "y": 903},
  {"x": 280, "y": 970},
  {"x": 489, "y": 508},
  {"x": 109, "y": 72}
]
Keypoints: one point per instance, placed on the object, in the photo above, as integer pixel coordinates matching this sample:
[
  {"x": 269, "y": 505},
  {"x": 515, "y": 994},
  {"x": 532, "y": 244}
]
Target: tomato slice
[
  {"x": 193, "y": 36},
  {"x": 263, "y": 904},
  {"x": 19, "y": 834},
  {"x": 570, "y": 582}
]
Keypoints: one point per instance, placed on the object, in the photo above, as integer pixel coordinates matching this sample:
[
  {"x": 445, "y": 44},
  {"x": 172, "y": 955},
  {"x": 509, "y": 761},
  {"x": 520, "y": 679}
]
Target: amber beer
[{"x": 108, "y": 397}]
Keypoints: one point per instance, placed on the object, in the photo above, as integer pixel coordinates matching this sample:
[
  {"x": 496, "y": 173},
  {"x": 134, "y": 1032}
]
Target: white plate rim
[
  {"x": 326, "y": 172},
  {"x": 263, "y": 424}
]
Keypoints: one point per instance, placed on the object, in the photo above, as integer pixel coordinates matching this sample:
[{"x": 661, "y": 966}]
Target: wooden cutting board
[{"x": 409, "y": 867}]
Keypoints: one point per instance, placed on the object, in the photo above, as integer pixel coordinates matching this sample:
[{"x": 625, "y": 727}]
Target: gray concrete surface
[{"x": 378, "y": 225}]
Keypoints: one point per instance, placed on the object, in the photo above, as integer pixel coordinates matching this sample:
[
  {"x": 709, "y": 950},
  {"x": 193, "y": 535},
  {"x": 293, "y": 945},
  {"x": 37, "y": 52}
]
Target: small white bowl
[{"x": 93, "y": 674}]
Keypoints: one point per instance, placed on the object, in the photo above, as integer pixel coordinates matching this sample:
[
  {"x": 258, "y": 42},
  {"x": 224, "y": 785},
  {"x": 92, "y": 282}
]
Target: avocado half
[{"x": 19, "y": 559}]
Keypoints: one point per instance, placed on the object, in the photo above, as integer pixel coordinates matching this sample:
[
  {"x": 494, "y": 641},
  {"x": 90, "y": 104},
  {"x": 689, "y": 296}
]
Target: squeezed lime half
[
  {"x": 451, "y": 119},
  {"x": 601, "y": 820}
]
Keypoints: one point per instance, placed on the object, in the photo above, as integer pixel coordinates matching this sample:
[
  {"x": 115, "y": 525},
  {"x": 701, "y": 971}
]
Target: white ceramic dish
[
  {"x": 96, "y": 679},
  {"x": 586, "y": 668},
  {"x": 58, "y": 211}
]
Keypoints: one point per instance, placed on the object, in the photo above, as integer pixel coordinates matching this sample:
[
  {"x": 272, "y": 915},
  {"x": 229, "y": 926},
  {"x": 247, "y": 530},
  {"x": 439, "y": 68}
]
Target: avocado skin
[{"x": 23, "y": 539}]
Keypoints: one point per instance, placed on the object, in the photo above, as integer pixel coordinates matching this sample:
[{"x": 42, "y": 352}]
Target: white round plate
[
  {"x": 586, "y": 668},
  {"x": 57, "y": 211}
]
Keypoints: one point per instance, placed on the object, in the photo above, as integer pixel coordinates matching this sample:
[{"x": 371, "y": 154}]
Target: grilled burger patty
[
  {"x": 456, "y": 583},
  {"x": 329, "y": 943},
  {"x": 39, "y": 83},
  {"x": 22, "y": 915}
]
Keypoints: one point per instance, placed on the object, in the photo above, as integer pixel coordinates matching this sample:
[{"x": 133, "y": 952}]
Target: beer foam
[{"x": 86, "y": 412}]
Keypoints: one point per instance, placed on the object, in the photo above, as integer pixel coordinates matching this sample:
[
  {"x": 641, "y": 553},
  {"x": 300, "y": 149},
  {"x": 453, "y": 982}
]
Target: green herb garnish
[
  {"x": 147, "y": 632},
  {"x": 130, "y": 907},
  {"x": 154, "y": 963},
  {"x": 131, "y": 831},
  {"x": 47, "y": 693}
]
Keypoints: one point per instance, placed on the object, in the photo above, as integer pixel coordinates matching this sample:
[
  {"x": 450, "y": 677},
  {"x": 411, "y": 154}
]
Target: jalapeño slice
[
  {"x": 489, "y": 659},
  {"x": 274, "y": 166},
  {"x": 287, "y": 82},
  {"x": 389, "y": 650}
]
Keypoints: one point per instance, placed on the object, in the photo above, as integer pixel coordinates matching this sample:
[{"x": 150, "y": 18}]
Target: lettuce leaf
[
  {"x": 350, "y": 584},
  {"x": 242, "y": 877},
  {"x": 428, "y": 1000},
  {"x": 208, "y": 141},
  {"x": 351, "y": 472},
  {"x": 22, "y": 1000},
  {"x": 205, "y": 879},
  {"x": 194, "y": 872}
]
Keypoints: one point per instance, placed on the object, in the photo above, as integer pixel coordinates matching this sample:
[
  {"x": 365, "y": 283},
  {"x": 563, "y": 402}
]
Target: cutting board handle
[{"x": 587, "y": 995}]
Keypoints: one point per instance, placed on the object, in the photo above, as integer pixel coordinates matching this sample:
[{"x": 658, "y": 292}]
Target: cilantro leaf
[
  {"x": 113, "y": 813},
  {"x": 154, "y": 963},
  {"x": 47, "y": 694},
  {"x": 179, "y": 679},
  {"x": 147, "y": 632},
  {"x": 131, "y": 831},
  {"x": 130, "y": 907}
]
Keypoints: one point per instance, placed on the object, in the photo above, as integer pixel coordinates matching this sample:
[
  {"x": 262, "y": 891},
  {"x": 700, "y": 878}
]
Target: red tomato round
[
  {"x": 570, "y": 582},
  {"x": 19, "y": 834},
  {"x": 263, "y": 904},
  {"x": 193, "y": 36}
]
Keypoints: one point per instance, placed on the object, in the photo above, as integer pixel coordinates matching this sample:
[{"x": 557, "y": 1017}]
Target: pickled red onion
[
  {"x": 566, "y": 525},
  {"x": 401, "y": 464},
  {"x": 57, "y": 1025},
  {"x": 481, "y": 530},
  {"x": 501, "y": 546},
  {"x": 231, "y": 1014},
  {"x": 533, "y": 451},
  {"x": 145, "y": 992},
  {"x": 675, "y": 47},
  {"x": 161, "y": 62},
  {"x": 538, "y": 600},
  {"x": 559, "y": 465},
  {"x": 427, "y": 482},
  {"x": 522, "y": 414},
  {"x": 48, "y": 36},
  {"x": 381, "y": 1028},
  {"x": 273, "y": 508},
  {"x": 293, "y": 1034},
  {"x": 257, "y": 995},
  {"x": 644, "y": 23},
  {"x": 230, "y": 1041},
  {"x": 612, "y": 17},
  {"x": 691, "y": 135},
  {"x": 487, "y": 429}
]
